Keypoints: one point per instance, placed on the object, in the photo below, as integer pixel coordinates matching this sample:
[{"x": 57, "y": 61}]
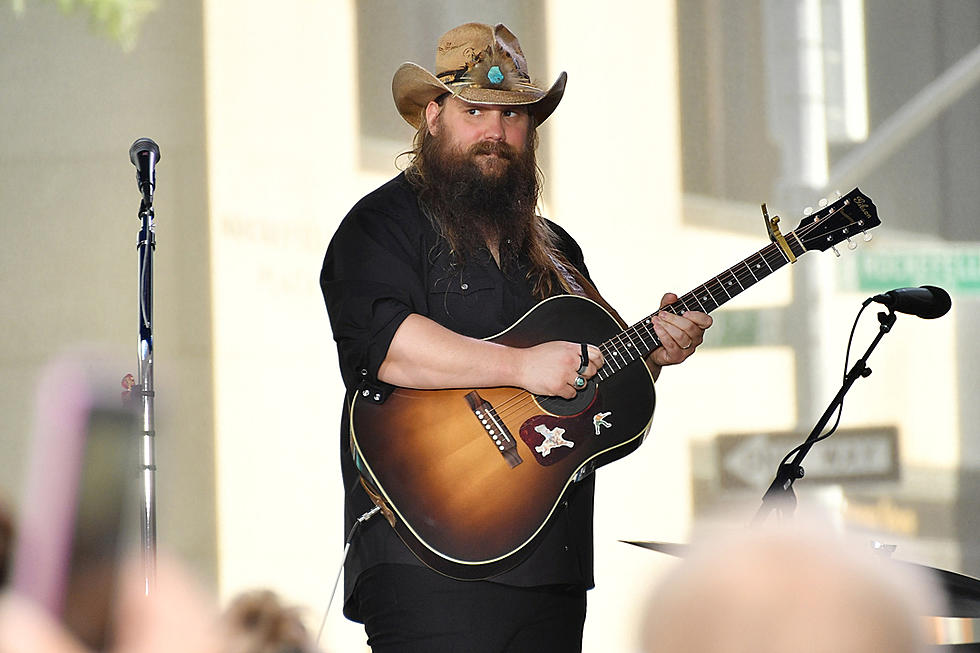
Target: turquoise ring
[{"x": 579, "y": 382}]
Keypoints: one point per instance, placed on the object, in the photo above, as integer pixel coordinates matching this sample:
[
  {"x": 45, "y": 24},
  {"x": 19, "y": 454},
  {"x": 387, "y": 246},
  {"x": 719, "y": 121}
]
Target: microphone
[
  {"x": 145, "y": 154},
  {"x": 927, "y": 302}
]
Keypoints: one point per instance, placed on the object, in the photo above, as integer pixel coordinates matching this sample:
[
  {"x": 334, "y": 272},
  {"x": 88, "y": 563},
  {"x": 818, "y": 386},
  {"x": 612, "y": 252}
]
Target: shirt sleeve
[{"x": 371, "y": 282}]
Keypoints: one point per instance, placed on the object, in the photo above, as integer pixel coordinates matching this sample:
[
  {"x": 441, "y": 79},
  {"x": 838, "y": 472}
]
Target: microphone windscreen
[
  {"x": 940, "y": 306},
  {"x": 143, "y": 145}
]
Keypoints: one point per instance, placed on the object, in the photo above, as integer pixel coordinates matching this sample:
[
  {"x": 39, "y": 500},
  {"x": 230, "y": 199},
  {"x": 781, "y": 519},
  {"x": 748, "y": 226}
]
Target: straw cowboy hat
[{"x": 481, "y": 64}]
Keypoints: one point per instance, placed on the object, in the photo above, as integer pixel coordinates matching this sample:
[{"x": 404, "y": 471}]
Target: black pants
[{"x": 408, "y": 609}]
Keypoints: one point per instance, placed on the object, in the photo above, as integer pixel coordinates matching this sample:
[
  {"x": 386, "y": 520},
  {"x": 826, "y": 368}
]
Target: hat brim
[{"x": 413, "y": 87}]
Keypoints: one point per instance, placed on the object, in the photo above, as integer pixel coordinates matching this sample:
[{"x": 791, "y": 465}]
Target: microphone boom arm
[{"x": 780, "y": 495}]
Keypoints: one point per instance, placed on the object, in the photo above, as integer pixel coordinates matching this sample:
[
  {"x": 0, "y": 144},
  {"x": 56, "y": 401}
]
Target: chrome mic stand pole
[
  {"x": 148, "y": 468},
  {"x": 144, "y": 154}
]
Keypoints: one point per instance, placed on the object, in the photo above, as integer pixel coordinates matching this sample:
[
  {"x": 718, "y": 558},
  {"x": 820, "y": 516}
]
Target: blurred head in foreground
[
  {"x": 776, "y": 591},
  {"x": 258, "y": 622}
]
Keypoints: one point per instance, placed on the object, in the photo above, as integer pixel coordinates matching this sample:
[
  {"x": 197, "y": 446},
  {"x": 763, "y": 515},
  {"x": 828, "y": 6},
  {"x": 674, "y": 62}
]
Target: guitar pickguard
[{"x": 546, "y": 436}]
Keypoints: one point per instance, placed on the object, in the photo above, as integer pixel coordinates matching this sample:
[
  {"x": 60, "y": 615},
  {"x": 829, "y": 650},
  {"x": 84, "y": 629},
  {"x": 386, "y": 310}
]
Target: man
[{"x": 418, "y": 274}]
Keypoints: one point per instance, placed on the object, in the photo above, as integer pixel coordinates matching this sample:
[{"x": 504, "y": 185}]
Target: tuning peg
[
  {"x": 808, "y": 210},
  {"x": 822, "y": 203},
  {"x": 851, "y": 244},
  {"x": 867, "y": 236},
  {"x": 837, "y": 194},
  {"x": 836, "y": 253}
]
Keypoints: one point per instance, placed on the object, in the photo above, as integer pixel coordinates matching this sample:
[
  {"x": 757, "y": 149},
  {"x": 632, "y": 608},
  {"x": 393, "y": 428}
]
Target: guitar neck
[{"x": 640, "y": 339}]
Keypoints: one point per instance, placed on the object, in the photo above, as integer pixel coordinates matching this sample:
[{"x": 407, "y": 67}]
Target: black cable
[
  {"x": 840, "y": 408},
  {"x": 350, "y": 536}
]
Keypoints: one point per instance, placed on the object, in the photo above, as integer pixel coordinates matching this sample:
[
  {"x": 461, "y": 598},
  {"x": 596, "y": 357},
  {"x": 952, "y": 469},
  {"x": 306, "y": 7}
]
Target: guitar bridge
[{"x": 496, "y": 429}]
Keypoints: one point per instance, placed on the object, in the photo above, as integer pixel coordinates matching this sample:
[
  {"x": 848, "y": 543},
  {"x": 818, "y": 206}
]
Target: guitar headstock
[{"x": 834, "y": 223}]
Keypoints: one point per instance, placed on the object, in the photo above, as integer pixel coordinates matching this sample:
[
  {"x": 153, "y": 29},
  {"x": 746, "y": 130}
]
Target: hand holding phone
[{"x": 83, "y": 466}]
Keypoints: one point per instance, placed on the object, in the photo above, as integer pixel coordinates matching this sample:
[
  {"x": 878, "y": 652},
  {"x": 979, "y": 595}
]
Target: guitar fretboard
[{"x": 640, "y": 339}]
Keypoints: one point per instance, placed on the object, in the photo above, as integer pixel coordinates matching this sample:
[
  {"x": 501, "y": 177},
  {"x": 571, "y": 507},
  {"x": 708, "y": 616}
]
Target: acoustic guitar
[{"x": 469, "y": 478}]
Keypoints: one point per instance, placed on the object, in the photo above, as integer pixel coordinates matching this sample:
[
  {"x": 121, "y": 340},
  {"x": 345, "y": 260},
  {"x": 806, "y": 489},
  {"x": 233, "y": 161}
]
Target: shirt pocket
[{"x": 466, "y": 304}]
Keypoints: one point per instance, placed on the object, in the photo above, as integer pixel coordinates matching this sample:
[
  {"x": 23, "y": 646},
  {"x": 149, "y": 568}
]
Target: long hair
[{"x": 549, "y": 271}]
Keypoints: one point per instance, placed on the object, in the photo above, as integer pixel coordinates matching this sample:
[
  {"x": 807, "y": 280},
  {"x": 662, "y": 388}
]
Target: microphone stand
[
  {"x": 780, "y": 495},
  {"x": 146, "y": 244}
]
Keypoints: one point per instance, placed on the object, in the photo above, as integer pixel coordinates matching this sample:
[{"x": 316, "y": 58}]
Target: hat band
[
  {"x": 451, "y": 76},
  {"x": 460, "y": 75},
  {"x": 456, "y": 80}
]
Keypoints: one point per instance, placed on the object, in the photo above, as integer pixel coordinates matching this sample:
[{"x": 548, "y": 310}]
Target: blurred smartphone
[{"x": 76, "y": 509}]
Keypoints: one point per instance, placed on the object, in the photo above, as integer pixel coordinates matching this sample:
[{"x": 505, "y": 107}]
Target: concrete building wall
[{"x": 71, "y": 104}]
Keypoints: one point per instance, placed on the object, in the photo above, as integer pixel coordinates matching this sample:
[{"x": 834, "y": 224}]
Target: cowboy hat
[{"x": 480, "y": 64}]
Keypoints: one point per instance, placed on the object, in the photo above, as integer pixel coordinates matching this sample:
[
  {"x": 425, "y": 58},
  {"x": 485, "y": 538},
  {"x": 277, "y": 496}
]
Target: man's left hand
[{"x": 679, "y": 334}]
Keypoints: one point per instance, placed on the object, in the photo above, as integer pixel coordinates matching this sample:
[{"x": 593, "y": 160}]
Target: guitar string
[
  {"x": 524, "y": 400},
  {"x": 625, "y": 341},
  {"x": 715, "y": 286}
]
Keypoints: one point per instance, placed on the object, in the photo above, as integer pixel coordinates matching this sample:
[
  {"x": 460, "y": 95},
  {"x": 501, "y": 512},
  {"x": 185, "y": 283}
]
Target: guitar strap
[
  {"x": 581, "y": 286},
  {"x": 377, "y": 500},
  {"x": 368, "y": 487}
]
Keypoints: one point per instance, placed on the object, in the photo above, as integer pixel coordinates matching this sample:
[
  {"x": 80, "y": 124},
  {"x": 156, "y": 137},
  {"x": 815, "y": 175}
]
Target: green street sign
[{"x": 955, "y": 268}]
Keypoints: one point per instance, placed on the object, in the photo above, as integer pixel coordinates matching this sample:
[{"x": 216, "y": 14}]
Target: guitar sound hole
[{"x": 565, "y": 407}]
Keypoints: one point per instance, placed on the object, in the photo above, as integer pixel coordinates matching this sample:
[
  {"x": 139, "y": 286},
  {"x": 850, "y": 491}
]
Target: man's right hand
[
  {"x": 426, "y": 355},
  {"x": 551, "y": 368}
]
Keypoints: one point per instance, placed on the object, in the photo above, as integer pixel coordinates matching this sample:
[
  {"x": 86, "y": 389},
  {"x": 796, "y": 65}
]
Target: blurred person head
[
  {"x": 259, "y": 622},
  {"x": 781, "y": 590}
]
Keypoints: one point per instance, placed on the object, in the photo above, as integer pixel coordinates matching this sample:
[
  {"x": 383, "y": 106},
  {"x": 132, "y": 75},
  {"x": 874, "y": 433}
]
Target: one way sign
[{"x": 864, "y": 454}]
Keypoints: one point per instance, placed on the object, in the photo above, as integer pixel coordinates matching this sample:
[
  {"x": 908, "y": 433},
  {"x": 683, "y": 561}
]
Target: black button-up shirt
[{"x": 385, "y": 262}]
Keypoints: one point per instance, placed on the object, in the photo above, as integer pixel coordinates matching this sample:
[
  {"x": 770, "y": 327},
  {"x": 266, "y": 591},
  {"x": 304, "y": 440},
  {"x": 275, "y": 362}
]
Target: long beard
[{"x": 479, "y": 201}]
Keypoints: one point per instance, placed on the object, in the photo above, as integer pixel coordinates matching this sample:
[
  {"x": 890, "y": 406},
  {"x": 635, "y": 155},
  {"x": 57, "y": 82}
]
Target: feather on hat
[{"x": 481, "y": 64}]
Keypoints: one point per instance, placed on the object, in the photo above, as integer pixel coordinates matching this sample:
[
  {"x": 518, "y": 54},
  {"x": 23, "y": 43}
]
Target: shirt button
[
  {"x": 363, "y": 372},
  {"x": 465, "y": 286}
]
